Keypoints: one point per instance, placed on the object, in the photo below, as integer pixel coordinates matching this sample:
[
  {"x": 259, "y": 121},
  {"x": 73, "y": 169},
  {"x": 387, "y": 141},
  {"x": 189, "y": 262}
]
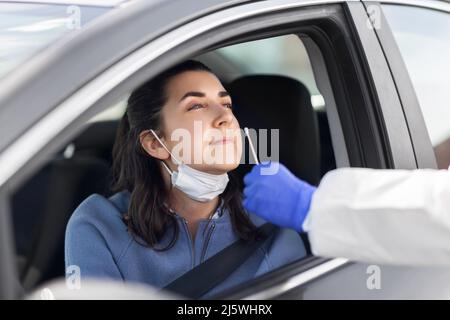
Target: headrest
[
  {"x": 97, "y": 139},
  {"x": 279, "y": 102}
]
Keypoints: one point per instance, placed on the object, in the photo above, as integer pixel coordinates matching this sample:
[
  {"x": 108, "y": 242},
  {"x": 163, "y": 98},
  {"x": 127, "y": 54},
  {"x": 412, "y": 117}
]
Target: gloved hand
[{"x": 281, "y": 198}]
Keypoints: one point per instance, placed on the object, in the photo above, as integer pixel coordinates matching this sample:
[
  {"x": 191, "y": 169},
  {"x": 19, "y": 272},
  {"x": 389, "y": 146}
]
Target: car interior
[{"x": 263, "y": 99}]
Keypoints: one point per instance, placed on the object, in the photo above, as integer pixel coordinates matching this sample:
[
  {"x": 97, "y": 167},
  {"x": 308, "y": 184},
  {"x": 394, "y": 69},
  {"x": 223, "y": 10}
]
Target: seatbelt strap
[{"x": 198, "y": 281}]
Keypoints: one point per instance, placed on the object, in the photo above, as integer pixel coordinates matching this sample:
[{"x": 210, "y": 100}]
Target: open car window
[
  {"x": 284, "y": 55},
  {"x": 84, "y": 164}
]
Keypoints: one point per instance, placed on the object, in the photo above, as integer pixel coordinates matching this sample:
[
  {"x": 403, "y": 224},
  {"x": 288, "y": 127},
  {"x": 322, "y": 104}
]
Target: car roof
[{"x": 97, "y": 3}]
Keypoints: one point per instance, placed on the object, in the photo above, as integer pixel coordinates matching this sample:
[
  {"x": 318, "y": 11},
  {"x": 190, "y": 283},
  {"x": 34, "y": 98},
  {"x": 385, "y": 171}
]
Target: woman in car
[{"x": 169, "y": 213}]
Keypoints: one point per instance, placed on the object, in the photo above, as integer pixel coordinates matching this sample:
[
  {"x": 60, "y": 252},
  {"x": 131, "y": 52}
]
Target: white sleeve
[{"x": 382, "y": 216}]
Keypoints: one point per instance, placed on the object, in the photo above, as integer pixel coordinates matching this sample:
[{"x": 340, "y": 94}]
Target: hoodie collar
[
  {"x": 122, "y": 200},
  {"x": 217, "y": 215}
]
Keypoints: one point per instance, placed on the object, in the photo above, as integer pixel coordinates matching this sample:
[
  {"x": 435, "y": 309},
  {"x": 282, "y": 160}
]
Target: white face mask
[{"x": 197, "y": 185}]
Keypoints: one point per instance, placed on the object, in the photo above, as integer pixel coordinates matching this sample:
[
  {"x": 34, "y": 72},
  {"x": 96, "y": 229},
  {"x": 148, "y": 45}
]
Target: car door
[{"x": 132, "y": 43}]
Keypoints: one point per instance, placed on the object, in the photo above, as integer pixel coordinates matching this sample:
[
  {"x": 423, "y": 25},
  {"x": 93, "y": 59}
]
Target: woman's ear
[{"x": 152, "y": 146}]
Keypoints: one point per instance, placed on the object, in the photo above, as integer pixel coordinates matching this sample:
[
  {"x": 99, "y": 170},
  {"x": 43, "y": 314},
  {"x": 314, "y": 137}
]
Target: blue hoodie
[{"x": 97, "y": 241}]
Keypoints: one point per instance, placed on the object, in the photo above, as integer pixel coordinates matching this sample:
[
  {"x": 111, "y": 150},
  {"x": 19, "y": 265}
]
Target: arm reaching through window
[{"x": 382, "y": 216}]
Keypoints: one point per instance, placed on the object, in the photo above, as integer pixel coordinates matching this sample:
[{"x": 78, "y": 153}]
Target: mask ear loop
[
  {"x": 165, "y": 166},
  {"x": 164, "y": 146}
]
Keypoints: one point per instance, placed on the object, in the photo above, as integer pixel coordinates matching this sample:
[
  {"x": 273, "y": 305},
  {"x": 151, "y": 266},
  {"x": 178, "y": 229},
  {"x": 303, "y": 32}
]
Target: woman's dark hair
[{"x": 133, "y": 169}]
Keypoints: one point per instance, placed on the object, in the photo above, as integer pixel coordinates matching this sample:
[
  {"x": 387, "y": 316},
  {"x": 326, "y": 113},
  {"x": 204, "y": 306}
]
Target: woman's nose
[{"x": 223, "y": 117}]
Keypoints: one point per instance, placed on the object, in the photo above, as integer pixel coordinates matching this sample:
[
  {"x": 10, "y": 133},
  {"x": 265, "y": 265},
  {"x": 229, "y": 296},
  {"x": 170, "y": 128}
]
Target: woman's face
[{"x": 198, "y": 124}]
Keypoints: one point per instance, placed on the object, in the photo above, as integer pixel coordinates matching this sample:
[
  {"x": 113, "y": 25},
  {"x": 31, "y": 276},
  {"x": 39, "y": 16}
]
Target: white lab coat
[{"x": 382, "y": 216}]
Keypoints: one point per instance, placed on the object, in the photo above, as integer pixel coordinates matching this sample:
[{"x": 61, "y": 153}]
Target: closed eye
[
  {"x": 199, "y": 106},
  {"x": 195, "y": 107}
]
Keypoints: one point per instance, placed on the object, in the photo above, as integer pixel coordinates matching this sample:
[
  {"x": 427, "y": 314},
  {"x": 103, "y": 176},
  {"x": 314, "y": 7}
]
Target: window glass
[
  {"x": 26, "y": 29},
  {"x": 423, "y": 36},
  {"x": 284, "y": 55}
]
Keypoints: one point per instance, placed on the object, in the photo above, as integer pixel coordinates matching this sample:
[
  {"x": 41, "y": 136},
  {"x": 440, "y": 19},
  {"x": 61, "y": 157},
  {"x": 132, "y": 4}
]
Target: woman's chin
[{"x": 219, "y": 168}]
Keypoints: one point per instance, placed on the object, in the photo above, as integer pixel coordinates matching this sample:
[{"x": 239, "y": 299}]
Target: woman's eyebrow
[{"x": 202, "y": 94}]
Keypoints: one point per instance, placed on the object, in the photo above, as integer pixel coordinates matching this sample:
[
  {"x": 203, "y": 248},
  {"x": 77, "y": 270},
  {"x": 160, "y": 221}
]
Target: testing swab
[{"x": 251, "y": 145}]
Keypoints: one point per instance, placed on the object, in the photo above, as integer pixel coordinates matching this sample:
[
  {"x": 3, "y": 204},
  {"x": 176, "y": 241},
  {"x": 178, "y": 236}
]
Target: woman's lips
[{"x": 223, "y": 141}]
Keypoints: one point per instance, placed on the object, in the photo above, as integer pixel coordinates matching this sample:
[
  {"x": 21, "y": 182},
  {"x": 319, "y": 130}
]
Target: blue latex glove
[{"x": 281, "y": 198}]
